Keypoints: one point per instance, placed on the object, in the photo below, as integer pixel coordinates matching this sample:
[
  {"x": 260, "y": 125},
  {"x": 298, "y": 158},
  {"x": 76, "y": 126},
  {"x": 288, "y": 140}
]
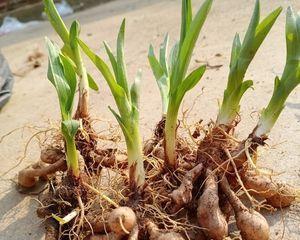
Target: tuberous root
[
  {"x": 183, "y": 195},
  {"x": 28, "y": 177},
  {"x": 156, "y": 234}
]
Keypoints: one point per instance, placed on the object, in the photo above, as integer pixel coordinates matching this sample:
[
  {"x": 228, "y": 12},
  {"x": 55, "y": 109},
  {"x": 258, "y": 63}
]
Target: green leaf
[
  {"x": 100, "y": 64},
  {"x": 56, "y": 21},
  {"x": 161, "y": 74},
  {"x": 191, "y": 80},
  {"x": 186, "y": 19},
  {"x": 122, "y": 76},
  {"x": 241, "y": 57},
  {"x": 289, "y": 79},
  {"x": 264, "y": 28},
  {"x": 256, "y": 34},
  {"x": 235, "y": 51},
  {"x": 292, "y": 35},
  {"x": 122, "y": 124},
  {"x": 70, "y": 78},
  {"x": 67, "y": 51},
  {"x": 188, "y": 45},
  {"x": 156, "y": 67},
  {"x": 69, "y": 73},
  {"x": 127, "y": 103},
  {"x": 276, "y": 83},
  {"x": 74, "y": 33},
  {"x": 112, "y": 59},
  {"x": 61, "y": 29},
  {"x": 173, "y": 57},
  {"x": 250, "y": 34},
  {"x": 164, "y": 88},
  {"x": 56, "y": 75},
  {"x": 117, "y": 91},
  {"x": 134, "y": 90},
  {"x": 69, "y": 128},
  {"x": 54, "y": 63},
  {"x": 163, "y": 54},
  {"x": 92, "y": 84},
  {"x": 245, "y": 86}
]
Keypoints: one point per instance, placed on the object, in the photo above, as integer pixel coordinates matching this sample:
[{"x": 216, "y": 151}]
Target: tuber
[
  {"x": 252, "y": 225},
  {"x": 51, "y": 155},
  {"x": 183, "y": 195},
  {"x": 28, "y": 177},
  {"x": 122, "y": 220},
  {"x": 209, "y": 214},
  {"x": 277, "y": 194},
  {"x": 157, "y": 234}
]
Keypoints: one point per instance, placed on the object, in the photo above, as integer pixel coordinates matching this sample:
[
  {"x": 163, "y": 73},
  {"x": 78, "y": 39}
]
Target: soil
[{"x": 34, "y": 101}]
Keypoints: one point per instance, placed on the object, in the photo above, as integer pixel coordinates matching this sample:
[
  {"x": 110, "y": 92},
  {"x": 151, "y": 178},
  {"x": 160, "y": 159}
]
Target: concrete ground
[{"x": 34, "y": 100}]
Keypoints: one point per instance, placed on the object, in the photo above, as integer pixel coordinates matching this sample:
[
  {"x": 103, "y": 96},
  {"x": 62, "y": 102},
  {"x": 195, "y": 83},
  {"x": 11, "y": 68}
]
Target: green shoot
[
  {"x": 171, "y": 77},
  {"x": 161, "y": 71},
  {"x": 127, "y": 101},
  {"x": 241, "y": 56},
  {"x": 72, "y": 51},
  {"x": 289, "y": 79},
  {"x": 61, "y": 74}
]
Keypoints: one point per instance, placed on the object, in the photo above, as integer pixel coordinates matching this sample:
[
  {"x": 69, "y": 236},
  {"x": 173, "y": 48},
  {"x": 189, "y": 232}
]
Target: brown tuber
[
  {"x": 109, "y": 236},
  {"x": 122, "y": 220},
  {"x": 51, "y": 155},
  {"x": 134, "y": 235},
  {"x": 209, "y": 214},
  {"x": 156, "y": 234},
  {"x": 252, "y": 225},
  {"x": 28, "y": 177},
  {"x": 277, "y": 194},
  {"x": 96, "y": 221},
  {"x": 183, "y": 195}
]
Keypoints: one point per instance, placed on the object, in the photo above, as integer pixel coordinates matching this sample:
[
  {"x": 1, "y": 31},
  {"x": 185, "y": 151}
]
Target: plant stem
[
  {"x": 83, "y": 101},
  {"x": 135, "y": 160},
  {"x": 271, "y": 113},
  {"x": 72, "y": 157},
  {"x": 170, "y": 138}
]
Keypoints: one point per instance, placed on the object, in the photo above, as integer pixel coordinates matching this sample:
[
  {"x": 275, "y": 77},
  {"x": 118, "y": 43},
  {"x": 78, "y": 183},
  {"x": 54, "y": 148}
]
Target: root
[
  {"x": 277, "y": 194},
  {"x": 81, "y": 219},
  {"x": 96, "y": 222},
  {"x": 183, "y": 195},
  {"x": 103, "y": 196},
  {"x": 209, "y": 214},
  {"x": 253, "y": 201},
  {"x": 169, "y": 201},
  {"x": 28, "y": 177},
  {"x": 156, "y": 234},
  {"x": 252, "y": 225},
  {"x": 52, "y": 154},
  {"x": 134, "y": 233},
  {"x": 20, "y": 159}
]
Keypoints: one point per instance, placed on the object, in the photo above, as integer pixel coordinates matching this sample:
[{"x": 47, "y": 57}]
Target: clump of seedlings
[
  {"x": 167, "y": 189},
  {"x": 172, "y": 81},
  {"x": 127, "y": 101},
  {"x": 86, "y": 138}
]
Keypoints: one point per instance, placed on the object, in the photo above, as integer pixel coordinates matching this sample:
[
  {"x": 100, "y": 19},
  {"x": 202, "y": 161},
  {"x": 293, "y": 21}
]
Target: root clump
[{"x": 193, "y": 201}]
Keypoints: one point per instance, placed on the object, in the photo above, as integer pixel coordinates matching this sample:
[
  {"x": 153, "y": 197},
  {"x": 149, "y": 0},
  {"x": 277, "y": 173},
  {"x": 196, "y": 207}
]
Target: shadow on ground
[{"x": 17, "y": 211}]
